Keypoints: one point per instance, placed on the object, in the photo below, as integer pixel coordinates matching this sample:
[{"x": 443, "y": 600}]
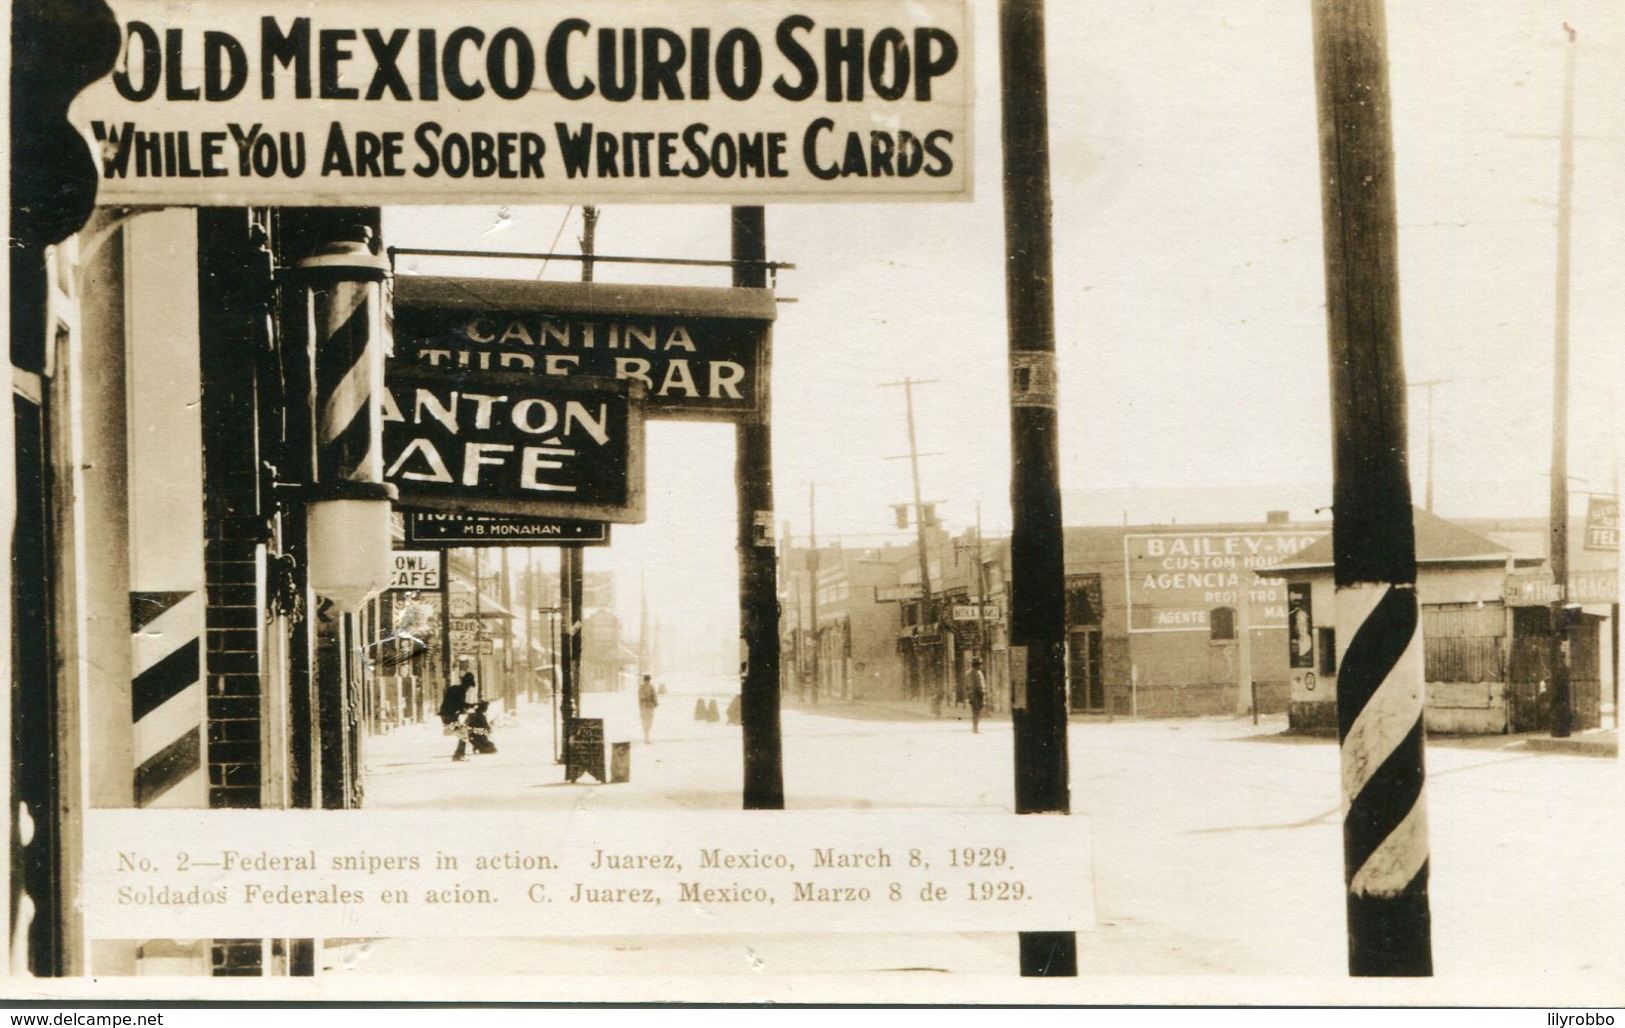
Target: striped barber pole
[
  {"x": 1380, "y": 696},
  {"x": 1380, "y": 680},
  {"x": 166, "y": 698},
  {"x": 347, "y": 314},
  {"x": 347, "y": 323}
]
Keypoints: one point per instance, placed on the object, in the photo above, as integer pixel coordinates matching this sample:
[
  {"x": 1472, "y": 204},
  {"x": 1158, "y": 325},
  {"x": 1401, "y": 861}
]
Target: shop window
[{"x": 1326, "y": 640}]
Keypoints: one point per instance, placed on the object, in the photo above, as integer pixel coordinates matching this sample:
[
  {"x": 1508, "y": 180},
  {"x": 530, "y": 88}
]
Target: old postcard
[{"x": 831, "y": 501}]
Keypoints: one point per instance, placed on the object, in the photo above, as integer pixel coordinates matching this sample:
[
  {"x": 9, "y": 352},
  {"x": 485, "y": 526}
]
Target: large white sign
[
  {"x": 485, "y": 101},
  {"x": 1175, "y": 579}
]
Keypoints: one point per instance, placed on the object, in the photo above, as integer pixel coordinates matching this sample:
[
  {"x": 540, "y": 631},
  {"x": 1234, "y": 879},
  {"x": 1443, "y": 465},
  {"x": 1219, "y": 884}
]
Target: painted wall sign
[
  {"x": 514, "y": 444},
  {"x": 699, "y": 353},
  {"x": 284, "y": 102},
  {"x": 426, "y": 528},
  {"x": 1535, "y": 588},
  {"x": 1175, "y": 578}
]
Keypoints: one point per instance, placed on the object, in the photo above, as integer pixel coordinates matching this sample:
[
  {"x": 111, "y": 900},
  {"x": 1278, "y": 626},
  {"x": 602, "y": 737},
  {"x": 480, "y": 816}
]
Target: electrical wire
[{"x": 556, "y": 236}]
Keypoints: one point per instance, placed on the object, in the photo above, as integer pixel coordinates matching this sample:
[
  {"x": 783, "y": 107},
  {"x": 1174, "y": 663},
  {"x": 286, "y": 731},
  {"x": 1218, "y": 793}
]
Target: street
[{"x": 1217, "y": 848}]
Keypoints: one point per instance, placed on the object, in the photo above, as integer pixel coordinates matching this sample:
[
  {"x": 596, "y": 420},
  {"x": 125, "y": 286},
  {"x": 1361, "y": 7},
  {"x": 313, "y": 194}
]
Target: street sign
[
  {"x": 415, "y": 569},
  {"x": 426, "y": 528},
  {"x": 487, "y": 442},
  {"x": 1602, "y": 524},
  {"x": 973, "y": 612},
  {"x": 699, "y": 353}
]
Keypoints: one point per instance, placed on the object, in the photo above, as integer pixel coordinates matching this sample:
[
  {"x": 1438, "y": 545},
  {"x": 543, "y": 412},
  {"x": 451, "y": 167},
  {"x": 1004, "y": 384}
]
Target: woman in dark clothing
[{"x": 452, "y": 706}]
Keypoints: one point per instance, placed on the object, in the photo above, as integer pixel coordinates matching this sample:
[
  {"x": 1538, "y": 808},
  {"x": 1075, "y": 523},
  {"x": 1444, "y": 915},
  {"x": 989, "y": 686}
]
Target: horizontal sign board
[
  {"x": 974, "y": 612},
  {"x": 698, "y": 352},
  {"x": 1536, "y": 588},
  {"x": 287, "y": 102},
  {"x": 426, "y": 528},
  {"x": 514, "y": 444},
  {"x": 414, "y": 569},
  {"x": 1175, "y": 578}
]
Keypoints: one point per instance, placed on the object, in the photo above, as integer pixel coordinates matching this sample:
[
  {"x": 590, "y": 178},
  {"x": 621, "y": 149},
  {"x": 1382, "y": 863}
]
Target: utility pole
[
  {"x": 554, "y": 672},
  {"x": 981, "y": 597},
  {"x": 927, "y": 606},
  {"x": 1562, "y": 691},
  {"x": 644, "y": 655},
  {"x": 572, "y": 572},
  {"x": 474, "y": 554},
  {"x": 1247, "y": 693},
  {"x": 510, "y": 638},
  {"x": 445, "y": 619},
  {"x": 812, "y": 592},
  {"x": 758, "y": 569},
  {"x": 1037, "y": 562},
  {"x": 1379, "y": 683},
  {"x": 1428, "y": 384}
]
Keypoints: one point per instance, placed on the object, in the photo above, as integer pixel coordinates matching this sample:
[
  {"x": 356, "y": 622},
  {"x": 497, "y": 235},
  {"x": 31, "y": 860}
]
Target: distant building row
[{"x": 1157, "y": 625}]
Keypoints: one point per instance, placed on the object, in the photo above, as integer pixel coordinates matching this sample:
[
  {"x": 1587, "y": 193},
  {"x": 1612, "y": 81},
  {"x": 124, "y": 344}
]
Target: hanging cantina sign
[
  {"x": 483, "y": 442},
  {"x": 282, "y": 102},
  {"x": 698, "y": 353}
]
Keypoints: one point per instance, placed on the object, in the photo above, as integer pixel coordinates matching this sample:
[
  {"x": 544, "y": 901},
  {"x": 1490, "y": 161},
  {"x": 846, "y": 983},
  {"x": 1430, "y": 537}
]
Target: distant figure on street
[
  {"x": 647, "y": 702},
  {"x": 479, "y": 729},
  {"x": 662, "y": 688},
  {"x": 734, "y": 712},
  {"x": 452, "y": 707},
  {"x": 976, "y": 693}
]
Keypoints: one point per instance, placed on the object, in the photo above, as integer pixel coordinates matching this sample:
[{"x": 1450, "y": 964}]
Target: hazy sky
[{"x": 1189, "y": 282}]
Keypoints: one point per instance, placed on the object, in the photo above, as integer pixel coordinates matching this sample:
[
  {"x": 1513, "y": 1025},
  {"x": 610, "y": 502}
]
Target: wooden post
[
  {"x": 1379, "y": 684},
  {"x": 1562, "y": 716},
  {"x": 1037, "y": 566},
  {"x": 758, "y": 569}
]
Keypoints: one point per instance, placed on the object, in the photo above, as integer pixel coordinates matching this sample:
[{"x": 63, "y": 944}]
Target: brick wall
[{"x": 232, "y": 277}]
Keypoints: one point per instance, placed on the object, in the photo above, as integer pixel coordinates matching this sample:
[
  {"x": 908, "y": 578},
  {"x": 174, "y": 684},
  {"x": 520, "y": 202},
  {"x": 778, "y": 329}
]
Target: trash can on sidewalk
[{"x": 620, "y": 762}]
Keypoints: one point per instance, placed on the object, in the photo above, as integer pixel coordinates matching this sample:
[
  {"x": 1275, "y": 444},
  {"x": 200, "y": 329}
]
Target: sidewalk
[{"x": 1597, "y": 742}]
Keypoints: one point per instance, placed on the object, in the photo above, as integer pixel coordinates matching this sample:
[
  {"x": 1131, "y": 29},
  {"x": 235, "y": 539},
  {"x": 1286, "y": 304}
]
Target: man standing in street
[
  {"x": 976, "y": 693},
  {"x": 647, "y": 702}
]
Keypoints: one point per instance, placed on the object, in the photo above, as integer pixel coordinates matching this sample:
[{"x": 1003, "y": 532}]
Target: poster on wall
[{"x": 1300, "y": 626}]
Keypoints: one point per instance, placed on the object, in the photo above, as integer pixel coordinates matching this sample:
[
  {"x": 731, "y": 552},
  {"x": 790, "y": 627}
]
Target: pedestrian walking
[
  {"x": 647, "y": 702},
  {"x": 976, "y": 693},
  {"x": 453, "y": 705},
  {"x": 478, "y": 724}
]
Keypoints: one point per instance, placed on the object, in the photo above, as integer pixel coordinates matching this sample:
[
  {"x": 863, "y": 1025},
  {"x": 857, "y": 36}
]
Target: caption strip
[{"x": 176, "y": 873}]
